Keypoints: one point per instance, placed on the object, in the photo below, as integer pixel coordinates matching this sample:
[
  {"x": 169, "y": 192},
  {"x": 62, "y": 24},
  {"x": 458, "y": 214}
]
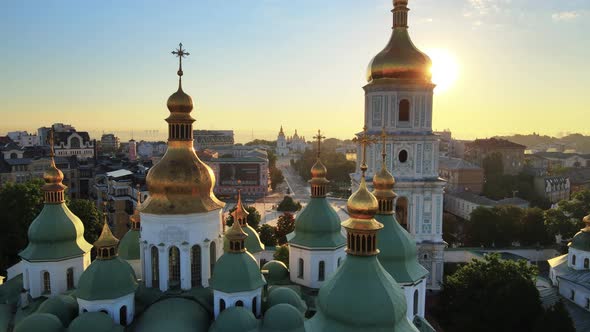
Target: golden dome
[
  {"x": 400, "y": 59},
  {"x": 180, "y": 102},
  {"x": 106, "y": 238},
  {"x": 53, "y": 175},
  {"x": 383, "y": 180},
  {"x": 362, "y": 204},
  {"x": 318, "y": 170}
]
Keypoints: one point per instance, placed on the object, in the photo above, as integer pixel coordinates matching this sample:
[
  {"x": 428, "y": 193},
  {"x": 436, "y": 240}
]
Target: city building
[
  {"x": 205, "y": 139},
  {"x": 132, "y": 150},
  {"x": 512, "y": 153},
  {"x": 282, "y": 148},
  {"x": 109, "y": 143},
  {"x": 399, "y": 99},
  {"x": 579, "y": 179},
  {"x": 462, "y": 204},
  {"x": 553, "y": 188},
  {"x": 550, "y": 161},
  {"x": 460, "y": 175},
  {"x": 74, "y": 143},
  {"x": 290, "y": 144},
  {"x": 23, "y": 138}
]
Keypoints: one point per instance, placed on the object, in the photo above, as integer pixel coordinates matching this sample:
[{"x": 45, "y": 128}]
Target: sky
[{"x": 522, "y": 66}]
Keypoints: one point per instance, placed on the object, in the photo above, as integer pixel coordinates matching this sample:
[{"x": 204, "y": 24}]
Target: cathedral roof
[
  {"x": 318, "y": 226},
  {"x": 40, "y": 323},
  {"x": 63, "y": 307},
  {"x": 235, "y": 319},
  {"x": 236, "y": 272},
  {"x": 106, "y": 280},
  {"x": 173, "y": 314},
  {"x": 581, "y": 240},
  {"x": 94, "y": 322},
  {"x": 277, "y": 273},
  {"x": 284, "y": 318},
  {"x": 252, "y": 242},
  {"x": 129, "y": 245},
  {"x": 278, "y": 295}
]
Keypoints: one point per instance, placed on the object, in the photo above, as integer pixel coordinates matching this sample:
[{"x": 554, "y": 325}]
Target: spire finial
[
  {"x": 400, "y": 14},
  {"x": 319, "y": 138},
  {"x": 383, "y": 138},
  {"x": 180, "y": 53},
  {"x": 364, "y": 139}
]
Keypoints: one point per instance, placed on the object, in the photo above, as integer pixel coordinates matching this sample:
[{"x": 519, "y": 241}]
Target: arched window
[
  {"x": 173, "y": 267},
  {"x": 196, "y": 266},
  {"x": 239, "y": 303},
  {"x": 262, "y": 262},
  {"x": 339, "y": 261},
  {"x": 104, "y": 311},
  {"x": 75, "y": 142},
  {"x": 300, "y": 269},
  {"x": 221, "y": 305},
  {"x": 46, "y": 283},
  {"x": 573, "y": 259},
  {"x": 404, "y": 110},
  {"x": 123, "y": 315},
  {"x": 13, "y": 156},
  {"x": 70, "y": 278},
  {"x": 403, "y": 156},
  {"x": 586, "y": 263},
  {"x": 212, "y": 256},
  {"x": 255, "y": 306},
  {"x": 155, "y": 267},
  {"x": 84, "y": 310},
  {"x": 572, "y": 295},
  {"x": 416, "y": 302},
  {"x": 321, "y": 271},
  {"x": 401, "y": 211}
]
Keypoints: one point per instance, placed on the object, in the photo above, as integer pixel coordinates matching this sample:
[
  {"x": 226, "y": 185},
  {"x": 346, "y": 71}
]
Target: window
[
  {"x": 416, "y": 302},
  {"x": 255, "y": 306},
  {"x": 46, "y": 283},
  {"x": 155, "y": 268},
  {"x": 123, "y": 315},
  {"x": 196, "y": 266},
  {"x": 404, "y": 110},
  {"x": 572, "y": 295},
  {"x": 75, "y": 143},
  {"x": 322, "y": 271},
  {"x": 239, "y": 304},
  {"x": 574, "y": 260},
  {"x": 212, "y": 256},
  {"x": 587, "y": 303},
  {"x": 339, "y": 261},
  {"x": 70, "y": 278},
  {"x": 221, "y": 305},
  {"x": 401, "y": 212},
  {"x": 586, "y": 263},
  {"x": 174, "y": 267},
  {"x": 403, "y": 156},
  {"x": 300, "y": 270}
]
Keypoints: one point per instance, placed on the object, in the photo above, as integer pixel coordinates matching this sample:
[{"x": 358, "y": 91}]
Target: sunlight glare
[{"x": 445, "y": 69}]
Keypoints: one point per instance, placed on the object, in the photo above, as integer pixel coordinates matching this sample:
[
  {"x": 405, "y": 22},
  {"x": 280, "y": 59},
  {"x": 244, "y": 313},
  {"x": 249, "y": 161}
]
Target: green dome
[
  {"x": 361, "y": 296},
  {"x": 283, "y": 318},
  {"x": 63, "y": 307},
  {"x": 278, "y": 273},
  {"x": 173, "y": 314},
  {"x": 55, "y": 234},
  {"x": 40, "y": 323},
  {"x": 94, "y": 322},
  {"x": 278, "y": 295},
  {"x": 398, "y": 253},
  {"x": 581, "y": 241},
  {"x": 318, "y": 226},
  {"x": 252, "y": 242},
  {"x": 235, "y": 319},
  {"x": 5, "y": 316},
  {"x": 129, "y": 245},
  {"x": 106, "y": 279},
  {"x": 236, "y": 272}
]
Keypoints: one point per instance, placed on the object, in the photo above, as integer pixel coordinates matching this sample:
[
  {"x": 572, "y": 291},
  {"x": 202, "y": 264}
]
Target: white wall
[
  {"x": 112, "y": 307},
  {"x": 231, "y": 299},
  {"x": 33, "y": 274},
  {"x": 311, "y": 261}
]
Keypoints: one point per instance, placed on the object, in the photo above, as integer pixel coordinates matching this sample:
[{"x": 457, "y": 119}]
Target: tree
[
  {"x": 533, "y": 229},
  {"x": 288, "y": 204},
  {"x": 20, "y": 204},
  {"x": 481, "y": 227},
  {"x": 253, "y": 218},
  {"x": 282, "y": 254},
  {"x": 499, "y": 226},
  {"x": 493, "y": 165},
  {"x": 508, "y": 224},
  {"x": 91, "y": 218},
  {"x": 267, "y": 235},
  {"x": 556, "y": 318},
  {"x": 451, "y": 228},
  {"x": 262, "y": 142},
  {"x": 491, "y": 295},
  {"x": 566, "y": 219},
  {"x": 285, "y": 225},
  {"x": 276, "y": 177}
]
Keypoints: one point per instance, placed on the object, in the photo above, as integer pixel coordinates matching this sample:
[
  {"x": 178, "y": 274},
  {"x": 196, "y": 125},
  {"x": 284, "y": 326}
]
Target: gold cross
[
  {"x": 383, "y": 138},
  {"x": 180, "y": 53},
  {"x": 319, "y": 138},
  {"x": 364, "y": 140}
]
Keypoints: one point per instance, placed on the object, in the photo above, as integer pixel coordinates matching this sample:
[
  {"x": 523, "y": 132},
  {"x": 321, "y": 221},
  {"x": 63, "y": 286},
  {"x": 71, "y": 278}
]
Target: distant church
[{"x": 287, "y": 145}]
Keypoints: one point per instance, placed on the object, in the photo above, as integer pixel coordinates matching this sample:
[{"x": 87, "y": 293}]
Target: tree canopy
[
  {"x": 566, "y": 218},
  {"x": 288, "y": 204},
  {"x": 91, "y": 218},
  {"x": 285, "y": 225},
  {"x": 267, "y": 235},
  {"x": 253, "y": 218}
]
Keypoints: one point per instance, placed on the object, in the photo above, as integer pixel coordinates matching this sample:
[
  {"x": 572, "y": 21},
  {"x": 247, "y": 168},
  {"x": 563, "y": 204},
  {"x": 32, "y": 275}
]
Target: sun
[{"x": 445, "y": 69}]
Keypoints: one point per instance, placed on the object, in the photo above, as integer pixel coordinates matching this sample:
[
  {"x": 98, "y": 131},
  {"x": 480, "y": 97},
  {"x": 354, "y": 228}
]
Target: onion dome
[
  {"x": 276, "y": 272},
  {"x": 581, "y": 240},
  {"x": 173, "y": 314},
  {"x": 236, "y": 270},
  {"x": 284, "y": 318},
  {"x": 180, "y": 183},
  {"x": 40, "y": 323},
  {"x": 281, "y": 132},
  {"x": 106, "y": 245},
  {"x": 400, "y": 59},
  {"x": 94, "y": 322},
  {"x": 278, "y": 295},
  {"x": 235, "y": 319},
  {"x": 56, "y": 233},
  {"x": 252, "y": 242},
  {"x": 63, "y": 307}
]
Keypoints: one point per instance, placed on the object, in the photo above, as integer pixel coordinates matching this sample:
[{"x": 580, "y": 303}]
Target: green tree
[
  {"x": 282, "y": 254},
  {"x": 253, "y": 218},
  {"x": 508, "y": 224},
  {"x": 276, "y": 177},
  {"x": 91, "y": 217},
  {"x": 267, "y": 235},
  {"x": 491, "y": 295},
  {"x": 262, "y": 142},
  {"x": 288, "y": 204},
  {"x": 20, "y": 204},
  {"x": 451, "y": 228},
  {"x": 566, "y": 218},
  {"x": 481, "y": 229},
  {"x": 285, "y": 225},
  {"x": 533, "y": 229}
]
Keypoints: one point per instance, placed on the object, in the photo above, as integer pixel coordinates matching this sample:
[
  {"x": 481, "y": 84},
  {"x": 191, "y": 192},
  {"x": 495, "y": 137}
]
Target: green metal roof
[
  {"x": 129, "y": 245},
  {"x": 361, "y": 296},
  {"x": 236, "y": 272},
  {"x": 106, "y": 279},
  {"x": 278, "y": 273},
  {"x": 173, "y": 314},
  {"x": 252, "y": 242},
  {"x": 5, "y": 316},
  {"x": 94, "y": 322},
  {"x": 581, "y": 241},
  {"x": 10, "y": 290},
  {"x": 278, "y": 295},
  {"x": 398, "y": 253},
  {"x": 40, "y": 323},
  {"x": 55, "y": 234},
  {"x": 235, "y": 319},
  {"x": 63, "y": 307},
  {"x": 318, "y": 226},
  {"x": 283, "y": 318}
]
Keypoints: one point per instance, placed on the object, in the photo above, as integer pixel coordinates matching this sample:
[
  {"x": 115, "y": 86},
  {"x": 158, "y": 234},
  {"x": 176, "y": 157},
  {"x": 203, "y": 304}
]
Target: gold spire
[
  {"x": 106, "y": 245},
  {"x": 236, "y": 236},
  {"x": 180, "y": 183},
  {"x": 383, "y": 182},
  {"x": 362, "y": 206},
  {"x": 240, "y": 214},
  {"x": 53, "y": 188},
  {"x": 136, "y": 217},
  {"x": 400, "y": 13},
  {"x": 318, "y": 181}
]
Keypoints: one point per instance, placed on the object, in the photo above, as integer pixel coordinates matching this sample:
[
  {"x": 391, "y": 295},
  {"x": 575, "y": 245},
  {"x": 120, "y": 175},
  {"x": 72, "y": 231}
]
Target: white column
[
  {"x": 163, "y": 268},
  {"x": 147, "y": 264},
  {"x": 142, "y": 261},
  {"x": 185, "y": 271},
  {"x": 205, "y": 265}
]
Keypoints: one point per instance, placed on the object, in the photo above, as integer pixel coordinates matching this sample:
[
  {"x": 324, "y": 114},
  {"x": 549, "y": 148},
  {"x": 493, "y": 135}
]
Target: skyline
[{"x": 87, "y": 64}]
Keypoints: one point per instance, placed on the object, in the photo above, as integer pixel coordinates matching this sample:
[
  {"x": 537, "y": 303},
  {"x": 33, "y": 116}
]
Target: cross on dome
[
  {"x": 180, "y": 53},
  {"x": 365, "y": 140},
  {"x": 319, "y": 138}
]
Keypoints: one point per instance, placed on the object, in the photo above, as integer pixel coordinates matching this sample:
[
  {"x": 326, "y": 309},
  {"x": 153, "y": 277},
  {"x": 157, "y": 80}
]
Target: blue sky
[{"x": 257, "y": 64}]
